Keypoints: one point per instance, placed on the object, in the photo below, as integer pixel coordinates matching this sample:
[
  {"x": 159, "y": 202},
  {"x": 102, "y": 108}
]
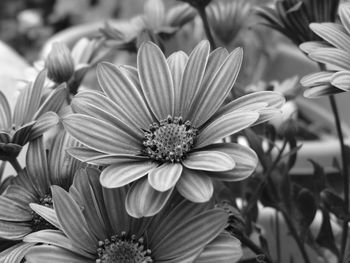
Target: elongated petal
[
  {"x": 35, "y": 96},
  {"x": 224, "y": 248},
  {"x": 194, "y": 235},
  {"x": 98, "y": 99},
  {"x": 17, "y": 254},
  {"x": 322, "y": 90},
  {"x": 43, "y": 124},
  {"x": 142, "y": 200},
  {"x": 213, "y": 161},
  {"x": 12, "y": 210},
  {"x": 99, "y": 112},
  {"x": 21, "y": 106},
  {"x": 37, "y": 167},
  {"x": 122, "y": 91},
  {"x": 14, "y": 230},
  {"x": 341, "y": 80},
  {"x": 177, "y": 63},
  {"x": 344, "y": 13},
  {"x": 333, "y": 57},
  {"x": 125, "y": 171},
  {"x": 53, "y": 254},
  {"x": 72, "y": 220},
  {"x": 225, "y": 125},
  {"x": 195, "y": 186},
  {"x": 245, "y": 159},
  {"x": 100, "y": 135},
  {"x": 333, "y": 33},
  {"x": 165, "y": 176},
  {"x": 47, "y": 213},
  {"x": 5, "y": 113},
  {"x": 54, "y": 101},
  {"x": 211, "y": 96},
  {"x": 315, "y": 79},
  {"x": 311, "y": 46},
  {"x": 21, "y": 135},
  {"x": 56, "y": 238},
  {"x": 193, "y": 75},
  {"x": 156, "y": 80}
]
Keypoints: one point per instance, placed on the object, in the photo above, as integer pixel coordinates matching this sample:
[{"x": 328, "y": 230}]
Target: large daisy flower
[
  {"x": 334, "y": 53},
  {"x": 103, "y": 232},
  {"x": 32, "y": 185},
  {"x": 158, "y": 125}
]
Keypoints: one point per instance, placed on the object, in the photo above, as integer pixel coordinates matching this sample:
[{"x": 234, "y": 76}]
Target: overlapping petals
[
  {"x": 333, "y": 53},
  {"x": 112, "y": 125},
  {"x": 182, "y": 232}
]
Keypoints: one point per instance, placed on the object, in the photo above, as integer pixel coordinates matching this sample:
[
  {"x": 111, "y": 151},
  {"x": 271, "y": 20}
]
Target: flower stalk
[
  {"x": 203, "y": 15},
  {"x": 345, "y": 174}
]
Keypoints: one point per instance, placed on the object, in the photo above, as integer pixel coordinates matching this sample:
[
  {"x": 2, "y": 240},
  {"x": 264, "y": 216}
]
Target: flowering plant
[{"x": 161, "y": 138}]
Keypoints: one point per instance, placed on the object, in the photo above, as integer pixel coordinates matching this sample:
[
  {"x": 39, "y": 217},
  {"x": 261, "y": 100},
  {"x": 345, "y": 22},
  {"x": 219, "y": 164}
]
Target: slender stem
[
  {"x": 295, "y": 235},
  {"x": 262, "y": 184},
  {"x": 278, "y": 237},
  {"x": 15, "y": 164},
  {"x": 345, "y": 173},
  {"x": 203, "y": 15}
]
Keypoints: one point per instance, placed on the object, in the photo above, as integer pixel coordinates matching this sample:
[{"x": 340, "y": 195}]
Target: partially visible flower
[
  {"x": 155, "y": 24},
  {"x": 104, "y": 232},
  {"x": 70, "y": 66},
  {"x": 157, "y": 125},
  {"x": 59, "y": 63},
  {"x": 32, "y": 185},
  {"x": 31, "y": 117},
  {"x": 227, "y": 18},
  {"x": 334, "y": 53},
  {"x": 292, "y": 17},
  {"x": 197, "y": 3}
]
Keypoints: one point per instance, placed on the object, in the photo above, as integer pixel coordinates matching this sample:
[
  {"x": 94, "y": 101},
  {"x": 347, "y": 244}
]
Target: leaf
[
  {"x": 307, "y": 206},
  {"x": 335, "y": 204},
  {"x": 325, "y": 237}
]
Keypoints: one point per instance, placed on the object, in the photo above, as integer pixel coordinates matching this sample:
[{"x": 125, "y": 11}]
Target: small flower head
[
  {"x": 197, "y": 3},
  {"x": 59, "y": 63},
  {"x": 333, "y": 52},
  {"x": 103, "y": 232},
  {"x": 32, "y": 185},
  {"x": 292, "y": 17},
  {"x": 31, "y": 116},
  {"x": 157, "y": 126},
  {"x": 227, "y": 18}
]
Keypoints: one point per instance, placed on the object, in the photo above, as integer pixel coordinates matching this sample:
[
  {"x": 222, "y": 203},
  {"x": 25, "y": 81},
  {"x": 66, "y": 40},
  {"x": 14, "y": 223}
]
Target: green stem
[
  {"x": 203, "y": 15},
  {"x": 15, "y": 164},
  {"x": 262, "y": 184},
  {"x": 345, "y": 174}
]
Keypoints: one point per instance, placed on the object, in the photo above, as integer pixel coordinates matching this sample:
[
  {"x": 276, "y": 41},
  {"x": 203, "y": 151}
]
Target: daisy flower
[
  {"x": 32, "y": 185},
  {"x": 156, "y": 22},
  {"x": 334, "y": 53},
  {"x": 31, "y": 117},
  {"x": 292, "y": 17},
  {"x": 104, "y": 232},
  {"x": 158, "y": 125}
]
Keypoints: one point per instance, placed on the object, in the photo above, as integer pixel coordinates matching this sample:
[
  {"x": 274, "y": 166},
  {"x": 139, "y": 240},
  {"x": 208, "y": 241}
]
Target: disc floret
[
  {"x": 169, "y": 140},
  {"x": 123, "y": 249},
  {"x": 39, "y": 223}
]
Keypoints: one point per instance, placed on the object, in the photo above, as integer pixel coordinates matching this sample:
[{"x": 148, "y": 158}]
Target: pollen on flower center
[
  {"x": 122, "y": 249},
  {"x": 39, "y": 223},
  {"x": 169, "y": 140}
]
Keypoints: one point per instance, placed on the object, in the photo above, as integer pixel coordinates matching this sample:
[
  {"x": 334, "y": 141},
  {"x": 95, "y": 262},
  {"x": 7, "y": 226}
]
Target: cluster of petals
[
  {"x": 111, "y": 124},
  {"x": 182, "y": 232},
  {"x": 333, "y": 53}
]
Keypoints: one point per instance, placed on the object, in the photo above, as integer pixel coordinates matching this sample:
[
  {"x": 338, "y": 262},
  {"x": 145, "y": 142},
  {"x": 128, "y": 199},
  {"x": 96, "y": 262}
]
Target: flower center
[
  {"x": 39, "y": 223},
  {"x": 122, "y": 249},
  {"x": 169, "y": 140}
]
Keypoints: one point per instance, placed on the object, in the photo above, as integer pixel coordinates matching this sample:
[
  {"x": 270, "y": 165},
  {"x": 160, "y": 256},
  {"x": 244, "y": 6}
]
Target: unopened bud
[{"x": 59, "y": 63}]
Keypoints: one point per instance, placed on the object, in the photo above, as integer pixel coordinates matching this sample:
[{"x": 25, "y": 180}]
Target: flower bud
[{"x": 59, "y": 63}]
